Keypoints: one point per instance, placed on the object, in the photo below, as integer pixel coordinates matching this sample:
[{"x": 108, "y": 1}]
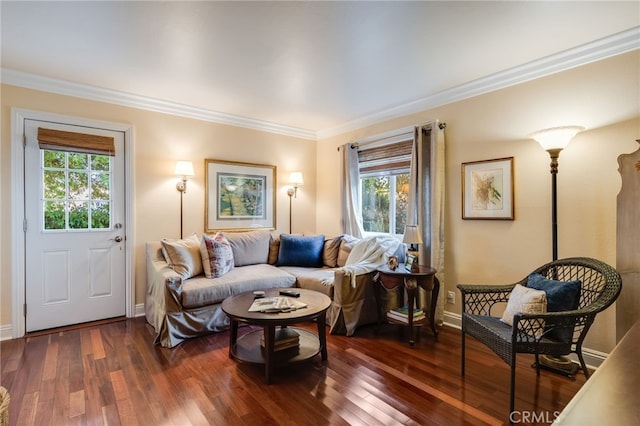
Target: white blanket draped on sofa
[{"x": 368, "y": 254}]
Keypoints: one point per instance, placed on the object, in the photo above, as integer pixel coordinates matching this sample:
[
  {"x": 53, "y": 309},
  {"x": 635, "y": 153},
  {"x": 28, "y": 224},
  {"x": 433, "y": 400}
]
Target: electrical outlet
[{"x": 451, "y": 297}]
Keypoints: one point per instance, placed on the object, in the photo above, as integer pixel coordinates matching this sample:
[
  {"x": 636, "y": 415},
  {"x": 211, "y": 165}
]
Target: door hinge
[
  {"x": 24, "y": 225},
  {"x": 25, "y": 309},
  {"x": 24, "y": 140}
]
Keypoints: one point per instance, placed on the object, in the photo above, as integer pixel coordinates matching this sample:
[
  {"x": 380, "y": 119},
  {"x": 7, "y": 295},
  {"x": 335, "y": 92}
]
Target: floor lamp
[
  {"x": 296, "y": 179},
  {"x": 184, "y": 169},
  {"x": 555, "y": 140}
]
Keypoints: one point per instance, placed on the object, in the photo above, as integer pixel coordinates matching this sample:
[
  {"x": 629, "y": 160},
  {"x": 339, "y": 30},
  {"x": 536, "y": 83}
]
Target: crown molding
[
  {"x": 613, "y": 45},
  {"x": 607, "y": 47},
  {"x": 67, "y": 88}
]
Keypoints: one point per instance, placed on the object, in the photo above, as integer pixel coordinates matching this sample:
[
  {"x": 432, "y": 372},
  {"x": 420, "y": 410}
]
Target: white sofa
[{"x": 182, "y": 303}]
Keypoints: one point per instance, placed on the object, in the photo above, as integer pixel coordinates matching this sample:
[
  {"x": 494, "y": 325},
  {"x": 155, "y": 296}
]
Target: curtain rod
[{"x": 353, "y": 145}]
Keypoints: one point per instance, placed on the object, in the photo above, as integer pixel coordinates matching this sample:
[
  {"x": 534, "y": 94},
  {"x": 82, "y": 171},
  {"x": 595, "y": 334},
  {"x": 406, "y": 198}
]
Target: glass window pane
[
  {"x": 99, "y": 186},
  {"x": 375, "y": 204},
  {"x": 54, "y": 159},
  {"x": 78, "y": 214},
  {"x": 100, "y": 215},
  {"x": 402, "y": 202},
  {"x": 78, "y": 185},
  {"x": 54, "y": 184},
  {"x": 54, "y": 217},
  {"x": 78, "y": 161},
  {"x": 100, "y": 162}
]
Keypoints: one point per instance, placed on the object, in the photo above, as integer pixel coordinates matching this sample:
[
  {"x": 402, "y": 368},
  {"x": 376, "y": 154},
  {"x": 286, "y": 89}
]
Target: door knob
[{"x": 117, "y": 239}]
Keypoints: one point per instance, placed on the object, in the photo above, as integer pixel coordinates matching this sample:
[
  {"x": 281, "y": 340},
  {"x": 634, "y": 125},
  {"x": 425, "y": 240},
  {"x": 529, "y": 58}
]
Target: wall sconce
[
  {"x": 184, "y": 169},
  {"x": 413, "y": 237},
  {"x": 296, "y": 179},
  {"x": 553, "y": 141}
]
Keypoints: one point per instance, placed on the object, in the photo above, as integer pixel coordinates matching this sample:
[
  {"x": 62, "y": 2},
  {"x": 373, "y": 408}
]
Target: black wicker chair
[{"x": 601, "y": 285}]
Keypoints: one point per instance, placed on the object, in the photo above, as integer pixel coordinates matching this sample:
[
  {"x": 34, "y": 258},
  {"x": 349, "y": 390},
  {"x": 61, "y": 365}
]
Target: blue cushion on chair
[
  {"x": 561, "y": 296},
  {"x": 297, "y": 250}
]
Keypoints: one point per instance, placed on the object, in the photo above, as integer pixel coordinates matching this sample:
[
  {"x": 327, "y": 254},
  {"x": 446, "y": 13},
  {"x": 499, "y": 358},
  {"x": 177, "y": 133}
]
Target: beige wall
[
  {"x": 603, "y": 97},
  {"x": 160, "y": 140}
]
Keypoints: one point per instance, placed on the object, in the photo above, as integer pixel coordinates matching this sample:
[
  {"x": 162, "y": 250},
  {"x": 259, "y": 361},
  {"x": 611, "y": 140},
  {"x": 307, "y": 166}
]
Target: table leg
[
  {"x": 378, "y": 280},
  {"x": 269, "y": 353},
  {"x": 410, "y": 285},
  {"x": 322, "y": 335},
  {"x": 434, "y": 302},
  {"x": 233, "y": 337}
]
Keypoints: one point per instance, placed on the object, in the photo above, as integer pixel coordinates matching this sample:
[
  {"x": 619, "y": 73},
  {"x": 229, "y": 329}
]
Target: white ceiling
[{"x": 303, "y": 68}]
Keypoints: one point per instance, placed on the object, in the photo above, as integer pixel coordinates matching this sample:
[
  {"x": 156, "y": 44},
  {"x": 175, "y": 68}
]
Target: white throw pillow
[{"x": 527, "y": 301}]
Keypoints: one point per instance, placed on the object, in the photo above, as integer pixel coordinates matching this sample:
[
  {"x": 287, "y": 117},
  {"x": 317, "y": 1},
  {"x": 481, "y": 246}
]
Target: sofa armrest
[
  {"x": 164, "y": 287},
  {"x": 352, "y": 305}
]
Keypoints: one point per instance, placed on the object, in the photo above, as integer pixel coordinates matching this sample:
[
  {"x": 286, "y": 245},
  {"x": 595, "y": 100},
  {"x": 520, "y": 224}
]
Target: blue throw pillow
[
  {"x": 297, "y": 250},
  {"x": 561, "y": 296}
]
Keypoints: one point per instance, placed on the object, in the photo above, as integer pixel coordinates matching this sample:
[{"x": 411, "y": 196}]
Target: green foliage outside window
[
  {"x": 76, "y": 190},
  {"x": 377, "y": 203}
]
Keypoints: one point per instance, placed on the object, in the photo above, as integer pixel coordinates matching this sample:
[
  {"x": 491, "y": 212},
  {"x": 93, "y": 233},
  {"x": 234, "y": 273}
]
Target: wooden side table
[{"x": 424, "y": 277}]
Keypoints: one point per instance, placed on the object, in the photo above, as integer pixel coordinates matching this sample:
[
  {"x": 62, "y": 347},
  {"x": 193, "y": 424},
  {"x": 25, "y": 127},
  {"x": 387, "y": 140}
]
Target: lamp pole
[
  {"x": 553, "y": 141},
  {"x": 554, "y": 153}
]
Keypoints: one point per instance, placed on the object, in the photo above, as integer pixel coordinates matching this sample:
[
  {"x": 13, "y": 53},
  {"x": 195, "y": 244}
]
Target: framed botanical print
[{"x": 487, "y": 189}]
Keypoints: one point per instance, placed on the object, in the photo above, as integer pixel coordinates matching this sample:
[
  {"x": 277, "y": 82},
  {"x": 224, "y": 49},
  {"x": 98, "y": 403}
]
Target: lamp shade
[
  {"x": 184, "y": 168},
  {"x": 557, "y": 137},
  {"x": 296, "y": 178},
  {"x": 412, "y": 235}
]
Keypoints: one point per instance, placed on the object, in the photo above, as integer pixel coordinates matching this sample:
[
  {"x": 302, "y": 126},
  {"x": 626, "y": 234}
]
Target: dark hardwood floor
[{"x": 113, "y": 374}]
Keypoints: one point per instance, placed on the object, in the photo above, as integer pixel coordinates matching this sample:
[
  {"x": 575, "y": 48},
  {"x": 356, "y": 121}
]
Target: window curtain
[
  {"x": 351, "y": 222},
  {"x": 426, "y": 202}
]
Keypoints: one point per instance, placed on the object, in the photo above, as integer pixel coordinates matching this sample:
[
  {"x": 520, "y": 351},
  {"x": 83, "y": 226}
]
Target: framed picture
[
  {"x": 408, "y": 264},
  {"x": 239, "y": 196},
  {"x": 487, "y": 189}
]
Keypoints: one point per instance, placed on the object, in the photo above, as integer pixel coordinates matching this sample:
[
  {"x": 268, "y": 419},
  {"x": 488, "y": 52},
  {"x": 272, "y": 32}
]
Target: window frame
[{"x": 382, "y": 141}]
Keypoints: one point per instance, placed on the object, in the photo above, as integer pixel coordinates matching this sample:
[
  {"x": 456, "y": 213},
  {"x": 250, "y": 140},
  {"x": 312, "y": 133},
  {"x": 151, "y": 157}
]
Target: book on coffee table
[{"x": 285, "y": 338}]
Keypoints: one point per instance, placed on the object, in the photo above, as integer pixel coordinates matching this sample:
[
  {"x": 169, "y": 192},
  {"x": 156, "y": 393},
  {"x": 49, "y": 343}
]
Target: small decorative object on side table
[
  {"x": 410, "y": 280},
  {"x": 392, "y": 263}
]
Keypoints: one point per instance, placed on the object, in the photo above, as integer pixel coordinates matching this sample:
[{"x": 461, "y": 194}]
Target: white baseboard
[
  {"x": 139, "y": 310},
  {"x": 592, "y": 358},
  {"x": 6, "y": 330}
]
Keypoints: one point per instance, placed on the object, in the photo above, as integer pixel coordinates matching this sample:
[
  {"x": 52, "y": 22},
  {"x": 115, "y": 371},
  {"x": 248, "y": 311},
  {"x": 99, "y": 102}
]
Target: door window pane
[
  {"x": 76, "y": 190},
  {"x": 78, "y": 214},
  {"x": 100, "y": 214}
]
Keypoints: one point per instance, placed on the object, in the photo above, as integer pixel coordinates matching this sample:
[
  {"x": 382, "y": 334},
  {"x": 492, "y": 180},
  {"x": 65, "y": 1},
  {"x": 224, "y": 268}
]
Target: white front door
[{"x": 74, "y": 231}]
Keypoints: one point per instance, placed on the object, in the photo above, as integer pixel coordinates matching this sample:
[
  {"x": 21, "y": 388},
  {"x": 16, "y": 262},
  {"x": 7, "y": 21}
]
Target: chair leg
[
  {"x": 582, "y": 363},
  {"x": 512, "y": 396},
  {"x": 462, "y": 356},
  {"x": 537, "y": 364}
]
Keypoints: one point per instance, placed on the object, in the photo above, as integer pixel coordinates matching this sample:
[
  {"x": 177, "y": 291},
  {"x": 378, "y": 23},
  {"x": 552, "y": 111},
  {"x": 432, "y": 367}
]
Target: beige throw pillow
[
  {"x": 184, "y": 256},
  {"x": 346, "y": 244},
  {"x": 249, "y": 248},
  {"x": 527, "y": 301},
  {"x": 330, "y": 251}
]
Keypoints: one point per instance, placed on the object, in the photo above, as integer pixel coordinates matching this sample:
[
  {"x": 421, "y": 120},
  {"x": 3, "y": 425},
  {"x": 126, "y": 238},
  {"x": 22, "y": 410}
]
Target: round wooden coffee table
[{"x": 248, "y": 348}]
